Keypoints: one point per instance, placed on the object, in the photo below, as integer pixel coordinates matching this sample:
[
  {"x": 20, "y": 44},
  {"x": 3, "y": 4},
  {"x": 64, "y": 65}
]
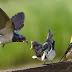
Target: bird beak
[
  {"x": 31, "y": 44},
  {"x": 25, "y": 40}
]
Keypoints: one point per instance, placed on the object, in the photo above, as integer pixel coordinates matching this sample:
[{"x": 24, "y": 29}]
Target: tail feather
[
  {"x": 53, "y": 33},
  {"x": 49, "y": 34}
]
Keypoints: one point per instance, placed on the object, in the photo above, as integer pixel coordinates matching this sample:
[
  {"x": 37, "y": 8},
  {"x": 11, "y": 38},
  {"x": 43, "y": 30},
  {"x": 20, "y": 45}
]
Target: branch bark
[{"x": 55, "y": 67}]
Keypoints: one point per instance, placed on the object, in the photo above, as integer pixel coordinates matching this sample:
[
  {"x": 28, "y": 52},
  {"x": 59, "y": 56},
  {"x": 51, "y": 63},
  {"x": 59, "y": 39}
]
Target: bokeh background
[{"x": 40, "y": 15}]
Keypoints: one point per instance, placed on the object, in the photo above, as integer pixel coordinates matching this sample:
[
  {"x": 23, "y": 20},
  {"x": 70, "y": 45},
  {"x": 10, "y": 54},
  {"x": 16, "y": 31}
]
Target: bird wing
[
  {"x": 4, "y": 19},
  {"x": 47, "y": 46},
  {"x": 18, "y": 20},
  {"x": 69, "y": 47}
]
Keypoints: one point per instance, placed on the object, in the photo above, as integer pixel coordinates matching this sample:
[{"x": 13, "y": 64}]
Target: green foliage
[{"x": 40, "y": 15}]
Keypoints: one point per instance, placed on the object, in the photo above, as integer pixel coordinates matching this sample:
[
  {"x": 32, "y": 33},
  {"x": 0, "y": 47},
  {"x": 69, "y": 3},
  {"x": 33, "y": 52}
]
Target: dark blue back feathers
[{"x": 18, "y": 21}]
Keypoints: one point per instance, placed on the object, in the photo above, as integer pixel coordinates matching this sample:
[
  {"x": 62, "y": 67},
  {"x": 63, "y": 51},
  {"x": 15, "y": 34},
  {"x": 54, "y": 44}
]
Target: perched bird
[
  {"x": 46, "y": 51},
  {"x": 9, "y": 28},
  {"x": 68, "y": 54}
]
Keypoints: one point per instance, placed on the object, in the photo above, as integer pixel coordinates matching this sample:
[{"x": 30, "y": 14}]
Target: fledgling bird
[
  {"x": 46, "y": 51},
  {"x": 9, "y": 28},
  {"x": 68, "y": 54}
]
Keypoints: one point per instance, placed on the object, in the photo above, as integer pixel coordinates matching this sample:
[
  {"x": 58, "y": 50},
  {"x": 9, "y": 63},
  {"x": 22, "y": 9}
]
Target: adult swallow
[
  {"x": 9, "y": 28},
  {"x": 46, "y": 51},
  {"x": 68, "y": 54}
]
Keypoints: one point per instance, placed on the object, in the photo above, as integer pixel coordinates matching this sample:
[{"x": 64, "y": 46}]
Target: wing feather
[
  {"x": 18, "y": 20},
  {"x": 3, "y": 19}
]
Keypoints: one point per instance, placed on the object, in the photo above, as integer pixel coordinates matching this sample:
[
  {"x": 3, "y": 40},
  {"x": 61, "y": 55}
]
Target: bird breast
[{"x": 51, "y": 55}]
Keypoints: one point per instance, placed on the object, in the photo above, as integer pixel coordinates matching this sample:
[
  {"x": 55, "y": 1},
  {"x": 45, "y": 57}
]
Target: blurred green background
[{"x": 40, "y": 15}]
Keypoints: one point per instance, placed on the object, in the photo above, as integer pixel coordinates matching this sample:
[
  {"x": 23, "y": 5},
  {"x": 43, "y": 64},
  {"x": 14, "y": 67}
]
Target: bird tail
[
  {"x": 53, "y": 33},
  {"x": 50, "y": 34}
]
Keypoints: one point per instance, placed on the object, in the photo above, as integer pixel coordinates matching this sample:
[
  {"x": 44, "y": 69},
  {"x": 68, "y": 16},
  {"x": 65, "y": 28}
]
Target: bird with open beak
[
  {"x": 9, "y": 28},
  {"x": 46, "y": 51},
  {"x": 68, "y": 54}
]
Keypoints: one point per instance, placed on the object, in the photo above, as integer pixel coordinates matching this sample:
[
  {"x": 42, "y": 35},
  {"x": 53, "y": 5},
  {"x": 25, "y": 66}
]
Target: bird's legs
[
  {"x": 44, "y": 63},
  {"x": 52, "y": 61}
]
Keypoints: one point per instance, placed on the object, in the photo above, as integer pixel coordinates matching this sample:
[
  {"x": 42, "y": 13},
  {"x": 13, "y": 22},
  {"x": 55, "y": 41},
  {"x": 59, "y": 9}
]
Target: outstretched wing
[
  {"x": 18, "y": 20},
  {"x": 3, "y": 19},
  {"x": 5, "y": 22}
]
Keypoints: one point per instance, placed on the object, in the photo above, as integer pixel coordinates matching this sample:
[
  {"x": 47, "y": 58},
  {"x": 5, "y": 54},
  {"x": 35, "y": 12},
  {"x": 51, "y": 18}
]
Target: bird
[
  {"x": 9, "y": 28},
  {"x": 68, "y": 53},
  {"x": 44, "y": 52}
]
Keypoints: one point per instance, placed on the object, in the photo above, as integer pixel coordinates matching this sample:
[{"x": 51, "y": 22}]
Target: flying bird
[
  {"x": 9, "y": 28},
  {"x": 46, "y": 51},
  {"x": 68, "y": 54}
]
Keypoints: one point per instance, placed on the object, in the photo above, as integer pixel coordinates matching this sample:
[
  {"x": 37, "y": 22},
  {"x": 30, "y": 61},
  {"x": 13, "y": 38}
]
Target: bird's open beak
[{"x": 31, "y": 44}]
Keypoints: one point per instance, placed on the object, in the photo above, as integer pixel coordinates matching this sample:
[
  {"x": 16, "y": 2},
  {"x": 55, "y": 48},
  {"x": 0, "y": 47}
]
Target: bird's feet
[
  {"x": 43, "y": 63},
  {"x": 51, "y": 61}
]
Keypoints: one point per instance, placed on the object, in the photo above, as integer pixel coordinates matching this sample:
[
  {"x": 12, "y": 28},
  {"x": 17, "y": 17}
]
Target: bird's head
[
  {"x": 22, "y": 38},
  {"x": 35, "y": 45},
  {"x": 19, "y": 38}
]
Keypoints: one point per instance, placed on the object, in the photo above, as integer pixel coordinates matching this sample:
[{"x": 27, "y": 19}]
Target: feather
[
  {"x": 3, "y": 19},
  {"x": 34, "y": 57},
  {"x": 18, "y": 20}
]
